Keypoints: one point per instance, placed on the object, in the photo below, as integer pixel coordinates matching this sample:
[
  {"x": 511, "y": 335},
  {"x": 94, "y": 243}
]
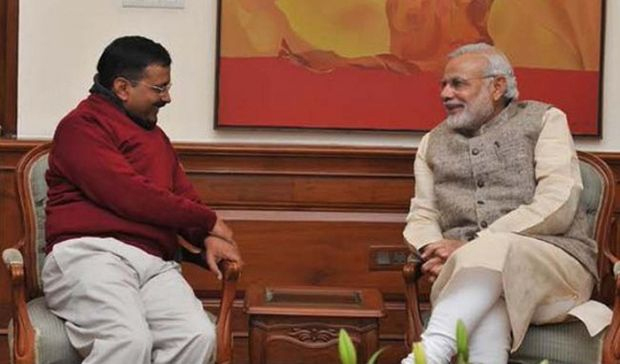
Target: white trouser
[
  {"x": 122, "y": 305},
  {"x": 474, "y": 296}
]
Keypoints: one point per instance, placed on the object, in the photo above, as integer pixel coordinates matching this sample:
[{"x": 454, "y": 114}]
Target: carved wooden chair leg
[
  {"x": 230, "y": 275},
  {"x": 411, "y": 274}
]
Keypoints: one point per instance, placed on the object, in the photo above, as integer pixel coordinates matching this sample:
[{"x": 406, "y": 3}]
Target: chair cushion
[
  {"x": 51, "y": 341},
  {"x": 564, "y": 343},
  {"x": 38, "y": 188},
  {"x": 591, "y": 194},
  {"x": 568, "y": 342}
]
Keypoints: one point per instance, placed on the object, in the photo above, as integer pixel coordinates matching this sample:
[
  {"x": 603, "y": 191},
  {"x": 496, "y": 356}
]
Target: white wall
[{"x": 61, "y": 40}]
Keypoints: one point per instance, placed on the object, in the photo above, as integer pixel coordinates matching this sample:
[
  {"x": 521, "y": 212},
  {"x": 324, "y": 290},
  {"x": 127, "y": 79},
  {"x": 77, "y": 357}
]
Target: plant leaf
[
  {"x": 418, "y": 353},
  {"x": 462, "y": 348},
  {"x": 374, "y": 356},
  {"x": 346, "y": 348}
]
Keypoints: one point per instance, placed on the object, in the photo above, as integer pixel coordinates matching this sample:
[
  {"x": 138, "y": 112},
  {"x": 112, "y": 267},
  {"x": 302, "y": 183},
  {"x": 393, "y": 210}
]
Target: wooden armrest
[
  {"x": 230, "y": 274},
  {"x": 23, "y": 332},
  {"x": 12, "y": 256},
  {"x": 192, "y": 254},
  {"x": 230, "y": 270},
  {"x": 412, "y": 270},
  {"x": 411, "y": 274},
  {"x": 611, "y": 345},
  {"x": 616, "y": 270}
]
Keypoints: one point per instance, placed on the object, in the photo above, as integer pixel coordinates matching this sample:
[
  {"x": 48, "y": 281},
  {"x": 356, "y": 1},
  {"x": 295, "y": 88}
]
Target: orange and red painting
[{"x": 376, "y": 64}]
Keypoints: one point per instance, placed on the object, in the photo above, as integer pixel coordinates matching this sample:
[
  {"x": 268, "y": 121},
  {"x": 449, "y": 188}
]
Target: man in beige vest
[{"x": 496, "y": 216}]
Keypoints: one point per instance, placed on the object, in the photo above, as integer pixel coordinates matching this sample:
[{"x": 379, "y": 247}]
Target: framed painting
[{"x": 376, "y": 64}]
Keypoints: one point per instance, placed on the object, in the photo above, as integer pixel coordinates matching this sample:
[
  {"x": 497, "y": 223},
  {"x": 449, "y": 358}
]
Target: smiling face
[
  {"x": 140, "y": 97},
  {"x": 470, "y": 96}
]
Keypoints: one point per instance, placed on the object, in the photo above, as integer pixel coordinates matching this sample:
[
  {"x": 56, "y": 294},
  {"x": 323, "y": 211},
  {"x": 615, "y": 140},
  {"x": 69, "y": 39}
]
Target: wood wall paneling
[
  {"x": 302, "y": 216},
  {"x": 4, "y": 350},
  {"x": 8, "y": 67}
]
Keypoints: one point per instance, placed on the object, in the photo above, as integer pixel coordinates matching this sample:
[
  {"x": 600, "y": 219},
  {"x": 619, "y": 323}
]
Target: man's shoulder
[
  {"x": 439, "y": 129},
  {"x": 529, "y": 112},
  {"x": 95, "y": 114},
  {"x": 533, "y": 105},
  {"x": 82, "y": 116},
  {"x": 90, "y": 108},
  {"x": 79, "y": 115}
]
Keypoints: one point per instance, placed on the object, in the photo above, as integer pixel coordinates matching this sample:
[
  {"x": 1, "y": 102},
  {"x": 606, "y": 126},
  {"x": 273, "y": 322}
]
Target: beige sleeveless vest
[{"x": 480, "y": 178}]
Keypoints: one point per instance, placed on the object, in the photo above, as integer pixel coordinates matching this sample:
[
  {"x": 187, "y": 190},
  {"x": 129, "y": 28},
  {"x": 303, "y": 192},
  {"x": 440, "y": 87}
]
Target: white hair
[{"x": 498, "y": 65}]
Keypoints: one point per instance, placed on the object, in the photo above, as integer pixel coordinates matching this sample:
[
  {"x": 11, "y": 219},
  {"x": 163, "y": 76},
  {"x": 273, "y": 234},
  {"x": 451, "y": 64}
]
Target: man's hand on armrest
[
  {"x": 218, "y": 249},
  {"x": 222, "y": 231},
  {"x": 435, "y": 255}
]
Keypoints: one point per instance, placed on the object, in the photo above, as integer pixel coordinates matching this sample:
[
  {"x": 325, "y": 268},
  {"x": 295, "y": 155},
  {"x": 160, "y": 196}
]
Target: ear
[
  {"x": 121, "y": 87},
  {"x": 499, "y": 87}
]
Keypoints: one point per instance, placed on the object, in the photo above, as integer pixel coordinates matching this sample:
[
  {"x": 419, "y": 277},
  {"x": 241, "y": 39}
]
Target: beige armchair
[
  {"x": 567, "y": 342},
  {"x": 36, "y": 336}
]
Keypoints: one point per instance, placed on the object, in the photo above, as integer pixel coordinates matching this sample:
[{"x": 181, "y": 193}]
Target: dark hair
[{"x": 128, "y": 57}]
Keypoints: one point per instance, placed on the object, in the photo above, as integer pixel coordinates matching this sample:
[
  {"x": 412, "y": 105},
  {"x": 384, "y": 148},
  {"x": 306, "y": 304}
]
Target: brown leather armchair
[
  {"x": 567, "y": 342},
  {"x": 36, "y": 336}
]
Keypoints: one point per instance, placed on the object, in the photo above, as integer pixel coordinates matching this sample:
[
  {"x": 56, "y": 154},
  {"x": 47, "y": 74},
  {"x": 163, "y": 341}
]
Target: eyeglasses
[
  {"x": 459, "y": 83},
  {"x": 161, "y": 90}
]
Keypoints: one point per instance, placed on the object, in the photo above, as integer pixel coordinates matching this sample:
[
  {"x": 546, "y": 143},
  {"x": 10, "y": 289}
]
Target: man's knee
[
  {"x": 200, "y": 332},
  {"x": 126, "y": 343},
  {"x": 135, "y": 340},
  {"x": 205, "y": 334}
]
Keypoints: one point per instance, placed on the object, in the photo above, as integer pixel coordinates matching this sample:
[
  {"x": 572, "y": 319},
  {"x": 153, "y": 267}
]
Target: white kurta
[{"x": 542, "y": 283}]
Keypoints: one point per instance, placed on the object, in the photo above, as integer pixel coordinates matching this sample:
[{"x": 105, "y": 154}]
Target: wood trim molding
[
  {"x": 203, "y": 150},
  {"x": 289, "y": 149},
  {"x": 197, "y": 152},
  {"x": 9, "y": 19},
  {"x": 296, "y": 160},
  {"x": 12, "y": 150}
]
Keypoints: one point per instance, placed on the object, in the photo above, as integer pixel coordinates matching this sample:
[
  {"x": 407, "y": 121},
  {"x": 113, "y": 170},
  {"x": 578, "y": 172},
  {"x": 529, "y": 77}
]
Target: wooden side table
[{"x": 290, "y": 325}]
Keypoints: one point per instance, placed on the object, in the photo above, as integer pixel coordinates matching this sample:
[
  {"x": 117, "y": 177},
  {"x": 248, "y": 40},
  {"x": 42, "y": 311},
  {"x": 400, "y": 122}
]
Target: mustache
[
  {"x": 452, "y": 103},
  {"x": 160, "y": 104}
]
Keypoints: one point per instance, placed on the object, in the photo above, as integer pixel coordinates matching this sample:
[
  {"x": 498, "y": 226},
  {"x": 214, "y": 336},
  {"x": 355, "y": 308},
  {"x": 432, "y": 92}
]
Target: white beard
[{"x": 473, "y": 115}]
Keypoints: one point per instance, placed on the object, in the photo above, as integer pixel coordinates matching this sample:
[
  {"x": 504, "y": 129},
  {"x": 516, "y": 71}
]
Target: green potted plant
[{"x": 347, "y": 350}]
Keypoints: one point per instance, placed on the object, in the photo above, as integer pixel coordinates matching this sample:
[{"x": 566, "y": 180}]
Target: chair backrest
[
  {"x": 32, "y": 193},
  {"x": 597, "y": 200}
]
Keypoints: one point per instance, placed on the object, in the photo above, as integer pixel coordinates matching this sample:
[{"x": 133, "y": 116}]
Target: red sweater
[{"x": 109, "y": 177}]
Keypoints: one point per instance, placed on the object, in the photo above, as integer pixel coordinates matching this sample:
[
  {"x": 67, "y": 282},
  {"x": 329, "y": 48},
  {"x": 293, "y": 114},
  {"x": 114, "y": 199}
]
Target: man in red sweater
[{"x": 118, "y": 202}]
